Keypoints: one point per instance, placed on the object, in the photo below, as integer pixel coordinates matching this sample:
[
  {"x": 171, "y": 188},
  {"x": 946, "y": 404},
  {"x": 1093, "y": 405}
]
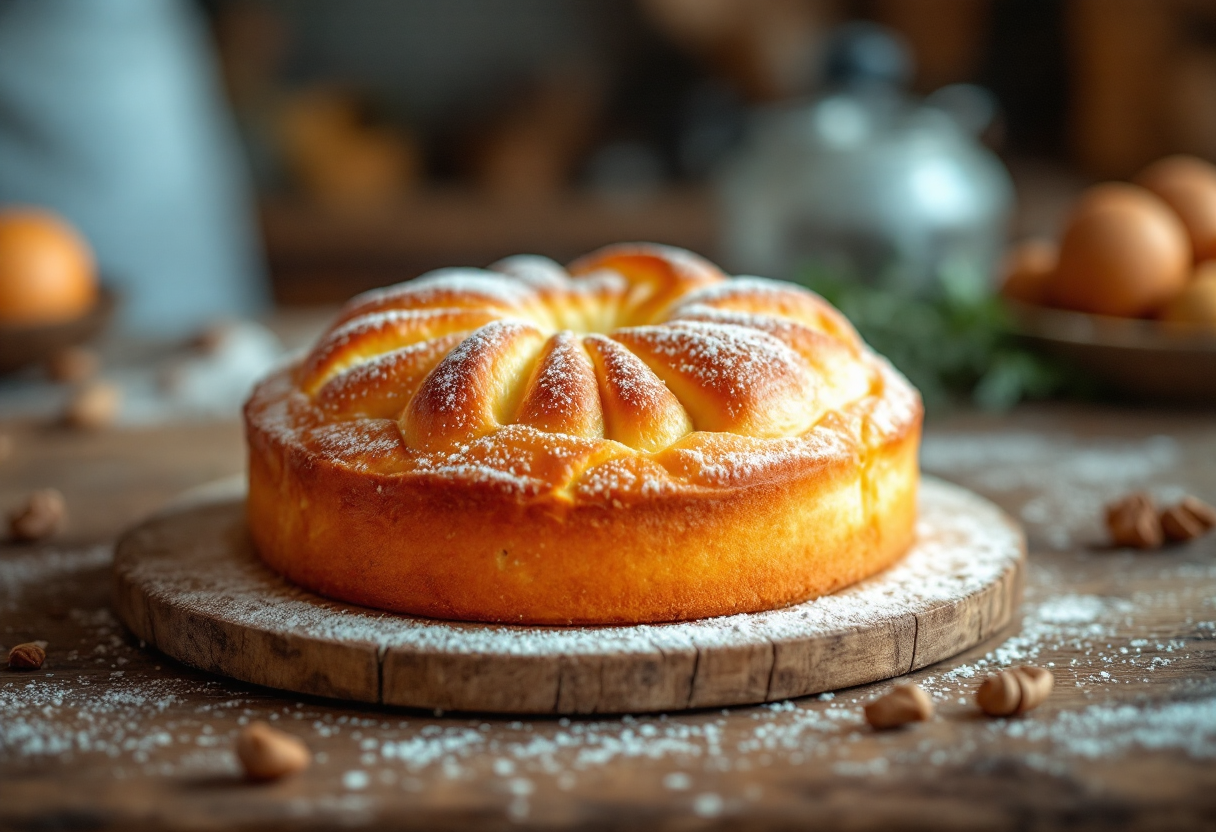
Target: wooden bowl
[
  {"x": 21, "y": 346},
  {"x": 1147, "y": 359}
]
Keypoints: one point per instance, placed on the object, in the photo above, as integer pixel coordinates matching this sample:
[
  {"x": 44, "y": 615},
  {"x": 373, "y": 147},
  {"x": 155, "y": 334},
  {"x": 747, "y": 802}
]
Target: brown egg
[
  {"x": 1196, "y": 304},
  {"x": 1028, "y": 268},
  {"x": 1124, "y": 253},
  {"x": 1188, "y": 185},
  {"x": 46, "y": 269}
]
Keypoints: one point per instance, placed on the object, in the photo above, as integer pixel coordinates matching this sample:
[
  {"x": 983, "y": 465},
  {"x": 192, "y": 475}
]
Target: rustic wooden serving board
[{"x": 189, "y": 583}]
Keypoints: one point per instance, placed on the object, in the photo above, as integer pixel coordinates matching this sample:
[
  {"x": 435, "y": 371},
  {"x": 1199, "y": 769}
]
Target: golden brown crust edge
[{"x": 438, "y": 547}]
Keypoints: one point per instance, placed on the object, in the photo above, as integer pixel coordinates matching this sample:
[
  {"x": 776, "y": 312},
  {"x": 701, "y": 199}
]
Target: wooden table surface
[{"x": 109, "y": 735}]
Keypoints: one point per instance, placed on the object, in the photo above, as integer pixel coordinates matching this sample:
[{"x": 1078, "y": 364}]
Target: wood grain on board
[
  {"x": 189, "y": 583},
  {"x": 111, "y": 735}
]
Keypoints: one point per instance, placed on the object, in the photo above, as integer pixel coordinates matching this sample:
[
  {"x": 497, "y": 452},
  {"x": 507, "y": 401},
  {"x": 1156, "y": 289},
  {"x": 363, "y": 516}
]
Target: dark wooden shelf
[{"x": 323, "y": 255}]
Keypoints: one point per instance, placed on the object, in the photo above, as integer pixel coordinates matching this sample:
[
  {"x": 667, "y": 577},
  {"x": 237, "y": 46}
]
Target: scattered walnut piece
[
  {"x": 1133, "y": 521},
  {"x": 904, "y": 704},
  {"x": 268, "y": 754},
  {"x": 73, "y": 364},
  {"x": 28, "y": 656},
  {"x": 94, "y": 406},
  {"x": 999, "y": 695},
  {"x": 42, "y": 515},
  {"x": 1188, "y": 520},
  {"x": 1014, "y": 691}
]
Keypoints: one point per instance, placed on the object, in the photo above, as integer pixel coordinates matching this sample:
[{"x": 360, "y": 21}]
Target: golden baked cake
[{"x": 634, "y": 438}]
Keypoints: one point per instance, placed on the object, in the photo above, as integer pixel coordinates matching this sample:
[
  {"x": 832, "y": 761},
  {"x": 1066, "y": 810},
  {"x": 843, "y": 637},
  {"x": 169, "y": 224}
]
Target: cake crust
[{"x": 638, "y": 440}]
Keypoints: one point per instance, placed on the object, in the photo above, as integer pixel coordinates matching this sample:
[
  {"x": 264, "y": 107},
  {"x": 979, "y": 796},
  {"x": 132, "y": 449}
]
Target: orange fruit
[{"x": 47, "y": 273}]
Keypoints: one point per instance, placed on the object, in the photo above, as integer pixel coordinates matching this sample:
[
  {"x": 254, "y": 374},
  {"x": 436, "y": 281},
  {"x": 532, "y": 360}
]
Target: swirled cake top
[{"x": 632, "y": 350}]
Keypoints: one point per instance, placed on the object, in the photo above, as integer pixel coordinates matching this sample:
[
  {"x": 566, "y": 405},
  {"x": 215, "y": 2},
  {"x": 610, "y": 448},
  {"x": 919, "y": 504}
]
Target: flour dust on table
[{"x": 188, "y": 583}]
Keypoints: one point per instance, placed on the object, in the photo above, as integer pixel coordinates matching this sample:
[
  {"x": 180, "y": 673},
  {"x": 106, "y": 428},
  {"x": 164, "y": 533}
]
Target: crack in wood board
[{"x": 191, "y": 581}]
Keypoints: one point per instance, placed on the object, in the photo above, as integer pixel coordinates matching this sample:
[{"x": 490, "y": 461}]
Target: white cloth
[{"x": 110, "y": 114}]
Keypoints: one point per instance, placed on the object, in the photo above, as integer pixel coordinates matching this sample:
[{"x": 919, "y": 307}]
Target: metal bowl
[{"x": 1147, "y": 359}]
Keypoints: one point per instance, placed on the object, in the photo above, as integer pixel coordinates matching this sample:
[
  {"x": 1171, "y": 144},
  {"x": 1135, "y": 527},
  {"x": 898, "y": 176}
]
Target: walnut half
[
  {"x": 1014, "y": 691},
  {"x": 1188, "y": 520},
  {"x": 1134, "y": 521},
  {"x": 268, "y": 754},
  {"x": 28, "y": 656},
  {"x": 42, "y": 515},
  {"x": 904, "y": 704}
]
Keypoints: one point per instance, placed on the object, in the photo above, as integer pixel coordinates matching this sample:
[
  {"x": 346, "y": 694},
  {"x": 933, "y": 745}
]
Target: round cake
[{"x": 634, "y": 438}]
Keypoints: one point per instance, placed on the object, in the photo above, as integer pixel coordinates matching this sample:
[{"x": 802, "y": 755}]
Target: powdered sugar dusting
[
  {"x": 742, "y": 285},
  {"x": 708, "y": 460},
  {"x": 559, "y": 375},
  {"x": 453, "y": 399},
  {"x": 630, "y": 380},
  {"x": 563, "y": 396},
  {"x": 970, "y": 547},
  {"x": 741, "y": 375},
  {"x": 1127, "y": 637},
  {"x": 439, "y": 286},
  {"x": 533, "y": 270},
  {"x": 772, "y": 297},
  {"x": 42, "y": 568},
  {"x": 732, "y": 359},
  {"x": 1064, "y": 482}
]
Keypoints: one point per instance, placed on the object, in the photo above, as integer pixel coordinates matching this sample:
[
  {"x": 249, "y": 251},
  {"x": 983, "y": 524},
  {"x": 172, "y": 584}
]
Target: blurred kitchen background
[
  {"x": 227, "y": 158},
  {"x": 388, "y": 137}
]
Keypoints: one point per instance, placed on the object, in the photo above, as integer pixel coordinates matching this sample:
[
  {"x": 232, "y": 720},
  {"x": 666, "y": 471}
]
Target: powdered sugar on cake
[
  {"x": 964, "y": 545},
  {"x": 733, "y": 371}
]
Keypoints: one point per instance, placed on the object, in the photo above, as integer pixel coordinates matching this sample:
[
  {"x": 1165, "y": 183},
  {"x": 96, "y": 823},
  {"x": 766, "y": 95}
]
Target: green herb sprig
[{"x": 956, "y": 345}]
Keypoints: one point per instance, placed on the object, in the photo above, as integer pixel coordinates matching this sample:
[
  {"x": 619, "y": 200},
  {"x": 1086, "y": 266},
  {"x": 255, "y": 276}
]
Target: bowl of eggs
[
  {"x": 50, "y": 297},
  {"x": 1129, "y": 289}
]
